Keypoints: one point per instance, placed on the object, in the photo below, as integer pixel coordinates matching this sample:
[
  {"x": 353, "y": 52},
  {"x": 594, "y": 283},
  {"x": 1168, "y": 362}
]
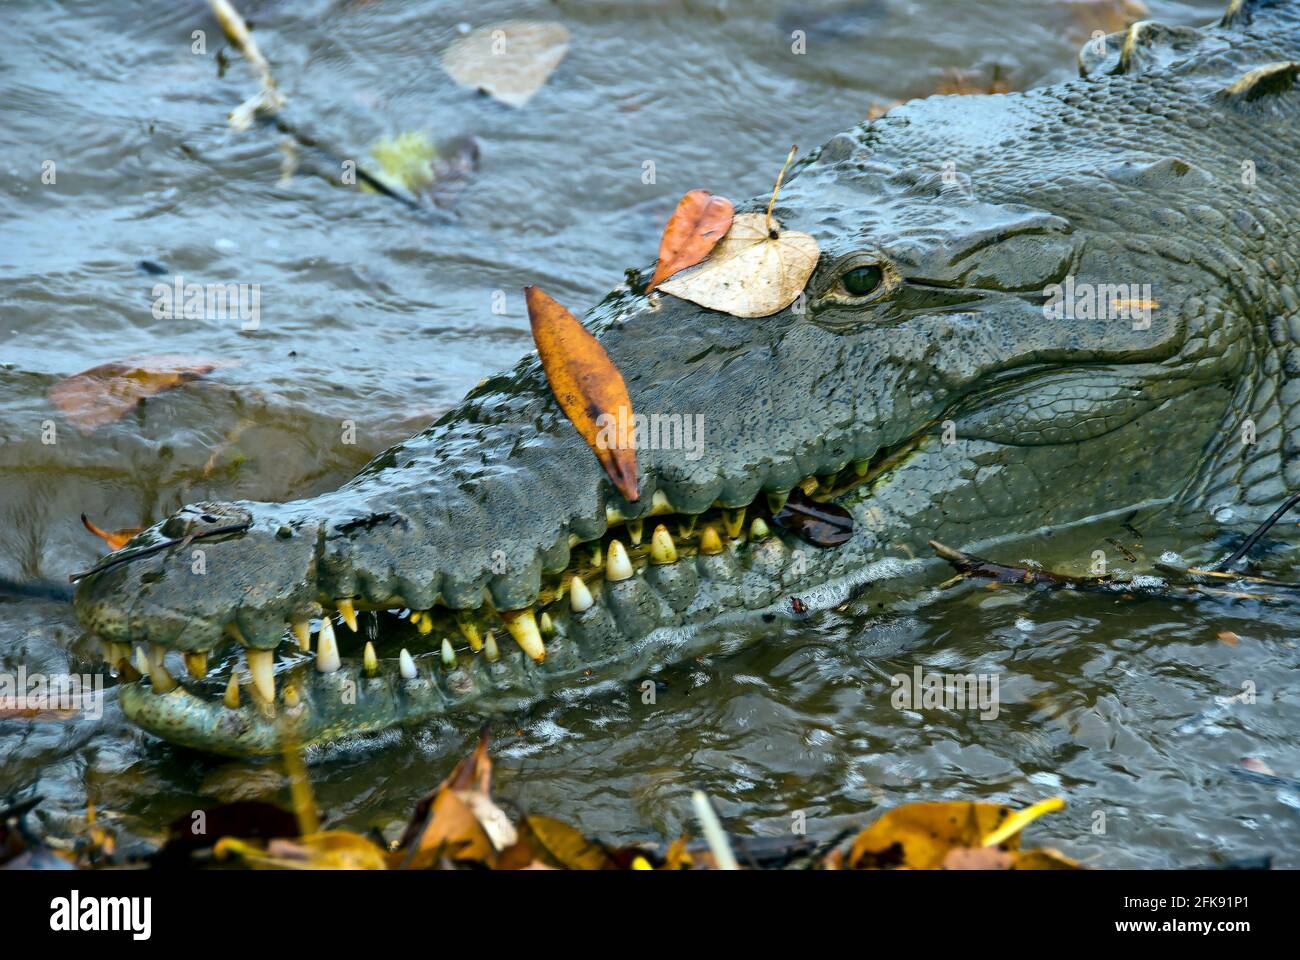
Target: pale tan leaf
[
  {"x": 510, "y": 61},
  {"x": 752, "y": 272}
]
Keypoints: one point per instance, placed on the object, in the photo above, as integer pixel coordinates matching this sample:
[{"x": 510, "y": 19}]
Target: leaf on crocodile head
[
  {"x": 817, "y": 522},
  {"x": 509, "y": 61},
  {"x": 587, "y": 385},
  {"x": 102, "y": 394},
  {"x": 694, "y": 229},
  {"x": 754, "y": 272},
  {"x": 116, "y": 539}
]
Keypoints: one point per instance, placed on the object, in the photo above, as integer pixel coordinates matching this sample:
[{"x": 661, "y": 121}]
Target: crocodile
[{"x": 1030, "y": 310}]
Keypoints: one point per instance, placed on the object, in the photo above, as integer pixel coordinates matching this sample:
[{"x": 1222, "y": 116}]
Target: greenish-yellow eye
[{"x": 860, "y": 281}]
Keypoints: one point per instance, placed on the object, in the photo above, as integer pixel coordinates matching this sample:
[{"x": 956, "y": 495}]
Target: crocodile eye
[{"x": 861, "y": 281}]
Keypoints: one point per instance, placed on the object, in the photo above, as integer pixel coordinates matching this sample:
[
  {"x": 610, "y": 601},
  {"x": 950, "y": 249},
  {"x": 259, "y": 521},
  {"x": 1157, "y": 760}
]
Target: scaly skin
[{"x": 971, "y": 413}]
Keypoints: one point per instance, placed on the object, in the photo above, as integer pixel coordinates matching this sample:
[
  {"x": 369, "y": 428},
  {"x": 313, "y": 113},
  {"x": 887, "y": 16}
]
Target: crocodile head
[{"x": 1027, "y": 311}]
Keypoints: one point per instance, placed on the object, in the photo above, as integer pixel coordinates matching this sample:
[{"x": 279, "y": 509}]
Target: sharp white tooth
[
  {"x": 196, "y": 663},
  {"x": 261, "y": 665},
  {"x": 302, "y": 630},
  {"x": 758, "y": 529},
  {"x": 522, "y": 625},
  {"x": 231, "y": 699},
  {"x": 710, "y": 542},
  {"x": 290, "y": 695},
  {"x": 579, "y": 595},
  {"x": 327, "y": 648},
  {"x": 405, "y": 665},
  {"x": 490, "y": 649},
  {"x": 141, "y": 661},
  {"x": 659, "y": 504},
  {"x": 448, "y": 654},
  {"x": 546, "y": 624},
  {"x": 369, "y": 661},
  {"x": 635, "y": 529},
  {"x": 617, "y": 565},
  {"x": 597, "y": 556},
  {"x": 349, "y": 613},
  {"x": 662, "y": 548},
  {"x": 163, "y": 682}
]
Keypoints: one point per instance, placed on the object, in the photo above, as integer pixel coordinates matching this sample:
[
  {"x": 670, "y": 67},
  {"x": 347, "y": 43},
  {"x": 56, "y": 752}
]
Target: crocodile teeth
[
  {"x": 635, "y": 530},
  {"x": 369, "y": 661},
  {"x": 612, "y": 516},
  {"x": 809, "y": 485},
  {"x": 141, "y": 663},
  {"x": 659, "y": 504},
  {"x": 861, "y": 467},
  {"x": 302, "y": 630},
  {"x": 597, "y": 556},
  {"x": 231, "y": 699},
  {"x": 617, "y": 566},
  {"x": 290, "y": 695},
  {"x": 522, "y": 625},
  {"x": 261, "y": 664},
  {"x": 468, "y": 630},
  {"x": 662, "y": 548},
  {"x": 117, "y": 652},
  {"x": 579, "y": 595},
  {"x": 349, "y": 613},
  {"x": 776, "y": 501},
  {"x": 546, "y": 624},
  {"x": 196, "y": 664},
  {"x": 163, "y": 682},
  {"x": 448, "y": 654},
  {"x": 425, "y": 623},
  {"x": 327, "y": 648},
  {"x": 405, "y": 665},
  {"x": 490, "y": 647},
  {"x": 734, "y": 522},
  {"x": 687, "y": 526},
  {"x": 710, "y": 542},
  {"x": 758, "y": 530}
]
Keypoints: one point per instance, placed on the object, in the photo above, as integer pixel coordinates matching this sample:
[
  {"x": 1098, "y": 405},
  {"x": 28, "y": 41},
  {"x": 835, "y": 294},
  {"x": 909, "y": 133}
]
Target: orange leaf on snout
[
  {"x": 694, "y": 229},
  {"x": 587, "y": 385},
  {"x": 116, "y": 539}
]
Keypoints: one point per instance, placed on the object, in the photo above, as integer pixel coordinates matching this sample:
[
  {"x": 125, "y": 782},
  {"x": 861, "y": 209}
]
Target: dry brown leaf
[
  {"x": 1228, "y": 637},
  {"x": 510, "y": 61},
  {"x": 694, "y": 229},
  {"x": 116, "y": 539},
  {"x": 921, "y": 836},
  {"x": 587, "y": 385},
  {"x": 558, "y": 844},
  {"x": 751, "y": 273},
  {"x": 108, "y": 392}
]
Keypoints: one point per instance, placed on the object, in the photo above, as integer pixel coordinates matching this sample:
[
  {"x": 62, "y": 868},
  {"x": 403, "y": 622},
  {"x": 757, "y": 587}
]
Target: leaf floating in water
[
  {"x": 694, "y": 229},
  {"x": 411, "y": 163},
  {"x": 115, "y": 539},
  {"x": 106, "y": 393},
  {"x": 816, "y": 522},
  {"x": 587, "y": 385},
  {"x": 510, "y": 61}
]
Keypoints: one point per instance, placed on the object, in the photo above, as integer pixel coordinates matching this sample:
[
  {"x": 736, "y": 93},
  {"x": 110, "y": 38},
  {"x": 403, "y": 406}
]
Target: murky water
[{"x": 373, "y": 315}]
